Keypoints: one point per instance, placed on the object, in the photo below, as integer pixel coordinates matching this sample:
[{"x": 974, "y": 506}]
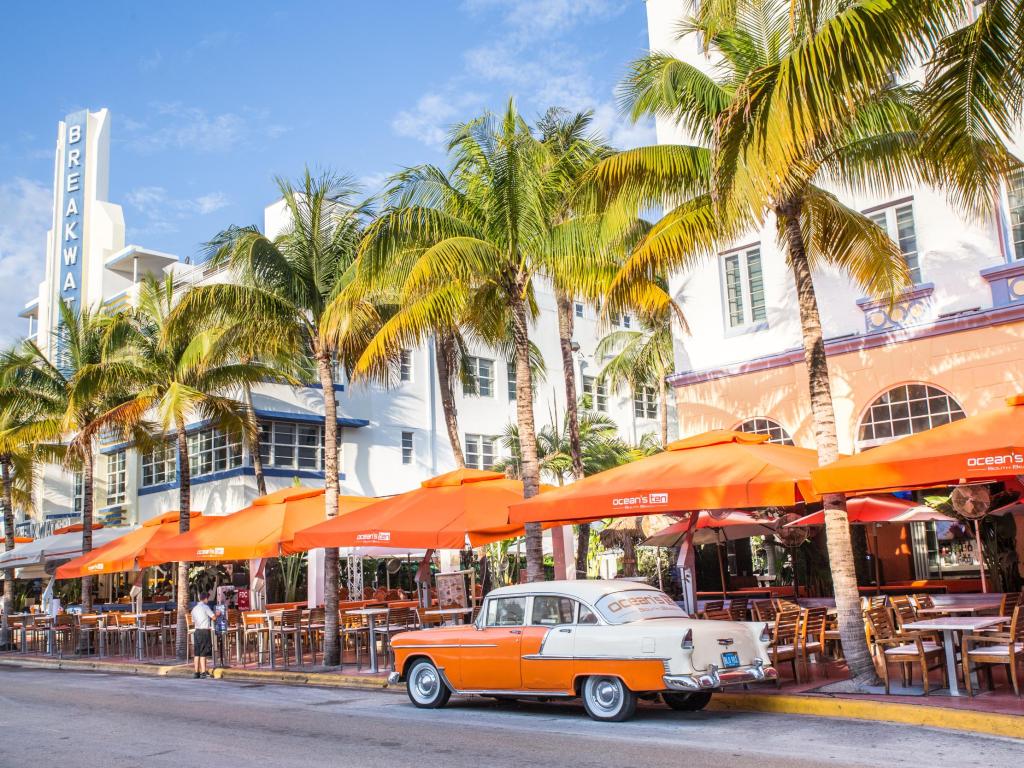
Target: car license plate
[{"x": 730, "y": 659}]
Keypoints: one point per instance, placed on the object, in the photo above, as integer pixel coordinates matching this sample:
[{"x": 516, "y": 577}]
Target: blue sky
[{"x": 210, "y": 101}]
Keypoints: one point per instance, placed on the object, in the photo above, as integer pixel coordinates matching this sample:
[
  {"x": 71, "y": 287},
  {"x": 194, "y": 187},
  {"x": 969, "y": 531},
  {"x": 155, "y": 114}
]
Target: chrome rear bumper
[{"x": 715, "y": 678}]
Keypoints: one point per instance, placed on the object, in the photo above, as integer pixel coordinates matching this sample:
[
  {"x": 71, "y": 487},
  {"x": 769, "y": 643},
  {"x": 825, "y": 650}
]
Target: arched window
[
  {"x": 906, "y": 410},
  {"x": 775, "y": 431}
]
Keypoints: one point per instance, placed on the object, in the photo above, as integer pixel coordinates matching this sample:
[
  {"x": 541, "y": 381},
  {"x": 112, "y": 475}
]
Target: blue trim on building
[
  {"x": 116, "y": 448},
  {"x": 243, "y": 471},
  {"x": 345, "y": 421}
]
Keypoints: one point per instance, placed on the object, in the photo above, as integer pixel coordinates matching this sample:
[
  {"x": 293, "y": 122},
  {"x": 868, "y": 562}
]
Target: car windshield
[{"x": 638, "y": 604}]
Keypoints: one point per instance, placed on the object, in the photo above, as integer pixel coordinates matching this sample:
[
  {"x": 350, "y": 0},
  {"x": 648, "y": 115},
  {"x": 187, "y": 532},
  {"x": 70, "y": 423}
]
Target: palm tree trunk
[
  {"x": 332, "y": 646},
  {"x": 254, "y": 449},
  {"x": 444, "y": 351},
  {"x": 184, "y": 510},
  {"x": 88, "y": 478},
  {"x": 837, "y": 525},
  {"x": 529, "y": 468},
  {"x": 566, "y": 328},
  {"x": 8, "y": 501}
]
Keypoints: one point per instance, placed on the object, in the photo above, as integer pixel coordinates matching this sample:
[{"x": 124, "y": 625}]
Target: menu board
[{"x": 451, "y": 590}]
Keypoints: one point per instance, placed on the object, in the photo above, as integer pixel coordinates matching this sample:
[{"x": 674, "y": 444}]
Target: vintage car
[{"x": 608, "y": 642}]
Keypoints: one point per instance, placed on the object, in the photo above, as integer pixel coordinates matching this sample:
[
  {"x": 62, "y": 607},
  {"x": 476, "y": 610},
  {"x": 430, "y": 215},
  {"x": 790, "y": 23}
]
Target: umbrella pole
[
  {"x": 878, "y": 564},
  {"x": 721, "y": 567},
  {"x": 981, "y": 554}
]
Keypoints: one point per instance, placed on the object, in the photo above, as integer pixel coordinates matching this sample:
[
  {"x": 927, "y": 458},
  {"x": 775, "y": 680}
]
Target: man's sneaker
[
  {"x": 196, "y": 675},
  {"x": 205, "y": 674}
]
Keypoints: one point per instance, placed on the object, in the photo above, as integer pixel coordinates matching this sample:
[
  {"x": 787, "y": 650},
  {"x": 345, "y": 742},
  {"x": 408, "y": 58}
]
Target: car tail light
[
  {"x": 687, "y": 643},
  {"x": 766, "y": 635}
]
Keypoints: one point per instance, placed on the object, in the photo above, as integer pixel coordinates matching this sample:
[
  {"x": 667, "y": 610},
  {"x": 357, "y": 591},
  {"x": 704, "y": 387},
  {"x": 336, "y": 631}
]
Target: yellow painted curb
[
  {"x": 323, "y": 679},
  {"x": 989, "y": 723}
]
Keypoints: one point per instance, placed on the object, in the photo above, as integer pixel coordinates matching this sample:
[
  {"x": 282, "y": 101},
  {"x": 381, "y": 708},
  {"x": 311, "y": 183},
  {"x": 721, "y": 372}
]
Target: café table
[
  {"x": 967, "y": 609},
  {"x": 950, "y": 626},
  {"x": 450, "y": 615},
  {"x": 139, "y": 618},
  {"x": 371, "y": 615},
  {"x": 268, "y": 617}
]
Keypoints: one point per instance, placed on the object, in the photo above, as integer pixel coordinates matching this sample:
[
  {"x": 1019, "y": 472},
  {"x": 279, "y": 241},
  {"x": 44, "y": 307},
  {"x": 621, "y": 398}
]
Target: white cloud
[
  {"x": 26, "y": 209},
  {"x": 161, "y": 213},
  {"x": 177, "y": 126},
  {"x": 432, "y": 116},
  {"x": 372, "y": 183},
  {"x": 530, "y": 19},
  {"x": 620, "y": 131}
]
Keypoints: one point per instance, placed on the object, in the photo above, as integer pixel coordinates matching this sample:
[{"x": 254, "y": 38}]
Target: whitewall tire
[
  {"x": 608, "y": 699},
  {"x": 425, "y": 685}
]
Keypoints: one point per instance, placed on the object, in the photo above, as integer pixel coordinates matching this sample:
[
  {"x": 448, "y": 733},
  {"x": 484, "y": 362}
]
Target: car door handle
[
  {"x": 565, "y": 629},
  {"x": 515, "y": 631}
]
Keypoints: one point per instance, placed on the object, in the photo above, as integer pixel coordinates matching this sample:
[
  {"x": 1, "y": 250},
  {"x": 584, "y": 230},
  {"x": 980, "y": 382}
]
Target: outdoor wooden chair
[
  {"x": 254, "y": 635},
  {"x": 287, "y": 630},
  {"x": 1005, "y": 649},
  {"x": 738, "y": 609},
  {"x": 785, "y": 604},
  {"x": 812, "y": 637},
  {"x": 1007, "y": 604},
  {"x": 903, "y": 648},
  {"x": 712, "y": 605},
  {"x": 396, "y": 621},
  {"x": 717, "y": 614},
  {"x": 316, "y": 623},
  {"x": 426, "y": 620},
  {"x": 152, "y": 628},
  {"x": 89, "y": 633},
  {"x": 355, "y": 635},
  {"x": 763, "y": 610},
  {"x": 786, "y": 640},
  {"x": 65, "y": 634}
]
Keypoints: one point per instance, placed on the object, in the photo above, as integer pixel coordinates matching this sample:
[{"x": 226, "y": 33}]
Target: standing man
[{"x": 202, "y": 621}]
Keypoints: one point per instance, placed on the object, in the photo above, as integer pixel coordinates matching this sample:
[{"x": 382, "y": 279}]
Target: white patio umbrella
[{"x": 56, "y": 546}]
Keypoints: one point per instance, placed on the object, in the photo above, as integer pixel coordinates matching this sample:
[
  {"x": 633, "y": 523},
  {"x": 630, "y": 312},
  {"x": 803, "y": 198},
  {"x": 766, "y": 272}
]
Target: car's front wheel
[
  {"x": 608, "y": 699},
  {"x": 425, "y": 685},
  {"x": 687, "y": 702}
]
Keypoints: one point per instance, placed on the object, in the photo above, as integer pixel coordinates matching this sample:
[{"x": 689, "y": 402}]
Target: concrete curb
[
  {"x": 972, "y": 721},
  {"x": 320, "y": 679}
]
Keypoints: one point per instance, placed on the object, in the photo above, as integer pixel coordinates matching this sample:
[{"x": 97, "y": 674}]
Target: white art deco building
[{"x": 391, "y": 439}]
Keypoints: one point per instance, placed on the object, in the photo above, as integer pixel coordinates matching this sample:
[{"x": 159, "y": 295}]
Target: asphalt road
[{"x": 72, "y": 719}]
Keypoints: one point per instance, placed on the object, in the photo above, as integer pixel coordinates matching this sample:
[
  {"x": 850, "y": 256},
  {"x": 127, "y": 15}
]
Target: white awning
[{"x": 61, "y": 546}]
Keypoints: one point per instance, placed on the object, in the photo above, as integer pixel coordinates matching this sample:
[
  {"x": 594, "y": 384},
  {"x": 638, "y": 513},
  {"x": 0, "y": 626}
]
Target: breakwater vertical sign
[{"x": 72, "y": 220}]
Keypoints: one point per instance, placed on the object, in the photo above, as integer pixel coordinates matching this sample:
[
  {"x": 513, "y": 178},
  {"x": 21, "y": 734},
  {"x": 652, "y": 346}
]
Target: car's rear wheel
[
  {"x": 608, "y": 699},
  {"x": 687, "y": 702},
  {"x": 425, "y": 685}
]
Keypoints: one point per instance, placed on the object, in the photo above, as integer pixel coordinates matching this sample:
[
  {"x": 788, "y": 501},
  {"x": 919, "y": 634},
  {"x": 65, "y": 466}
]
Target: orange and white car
[{"x": 608, "y": 642}]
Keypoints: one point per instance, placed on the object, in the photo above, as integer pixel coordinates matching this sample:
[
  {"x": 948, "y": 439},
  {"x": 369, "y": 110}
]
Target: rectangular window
[
  {"x": 212, "y": 450},
  {"x": 595, "y": 395},
  {"x": 579, "y": 309},
  {"x": 627, "y": 321},
  {"x": 407, "y": 447},
  {"x": 159, "y": 465},
  {"x": 506, "y": 611},
  {"x": 1016, "y": 199},
  {"x": 77, "y": 493},
  {"x": 117, "y": 478},
  {"x": 405, "y": 365},
  {"x": 292, "y": 445},
  {"x": 511, "y": 370},
  {"x": 480, "y": 453},
  {"x": 482, "y": 371},
  {"x": 645, "y": 403},
  {"x": 898, "y": 223},
  {"x": 744, "y": 287}
]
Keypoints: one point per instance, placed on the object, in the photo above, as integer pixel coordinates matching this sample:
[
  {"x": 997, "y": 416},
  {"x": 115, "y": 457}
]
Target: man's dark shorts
[{"x": 203, "y": 643}]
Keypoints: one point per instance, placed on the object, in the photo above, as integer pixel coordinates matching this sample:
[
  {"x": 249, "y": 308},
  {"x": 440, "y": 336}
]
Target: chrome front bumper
[
  {"x": 715, "y": 678},
  {"x": 394, "y": 678}
]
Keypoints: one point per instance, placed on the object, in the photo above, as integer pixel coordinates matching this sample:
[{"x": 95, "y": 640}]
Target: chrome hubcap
[
  {"x": 425, "y": 683},
  {"x": 606, "y": 695}
]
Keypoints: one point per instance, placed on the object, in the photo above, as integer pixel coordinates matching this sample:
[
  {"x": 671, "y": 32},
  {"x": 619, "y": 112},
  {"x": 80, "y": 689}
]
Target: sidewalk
[{"x": 994, "y": 714}]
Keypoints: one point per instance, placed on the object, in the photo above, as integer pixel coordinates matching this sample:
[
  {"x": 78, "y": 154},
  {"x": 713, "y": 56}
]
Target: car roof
[{"x": 589, "y": 590}]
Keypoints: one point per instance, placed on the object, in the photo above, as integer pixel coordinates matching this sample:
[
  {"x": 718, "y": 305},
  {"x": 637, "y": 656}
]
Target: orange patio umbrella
[
  {"x": 981, "y": 448},
  {"x": 127, "y": 553},
  {"x": 440, "y": 514},
  {"x": 720, "y": 469},
  {"x": 263, "y": 529}
]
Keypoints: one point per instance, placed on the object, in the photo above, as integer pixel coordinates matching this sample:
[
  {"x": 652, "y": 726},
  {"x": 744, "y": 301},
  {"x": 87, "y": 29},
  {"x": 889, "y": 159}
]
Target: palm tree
[
  {"x": 479, "y": 235},
  {"x": 66, "y": 405},
  {"x": 771, "y": 123},
  {"x": 181, "y": 367},
  {"x": 18, "y": 460},
  {"x": 301, "y": 286}
]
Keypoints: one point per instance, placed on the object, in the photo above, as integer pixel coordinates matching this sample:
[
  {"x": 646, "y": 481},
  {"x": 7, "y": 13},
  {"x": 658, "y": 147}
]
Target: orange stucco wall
[{"x": 978, "y": 367}]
